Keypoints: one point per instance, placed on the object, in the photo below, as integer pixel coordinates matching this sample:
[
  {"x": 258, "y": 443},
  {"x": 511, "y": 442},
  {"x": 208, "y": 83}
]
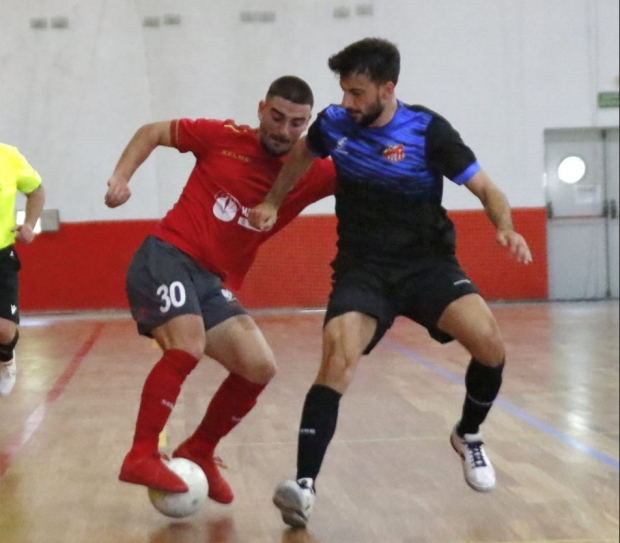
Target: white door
[{"x": 578, "y": 167}]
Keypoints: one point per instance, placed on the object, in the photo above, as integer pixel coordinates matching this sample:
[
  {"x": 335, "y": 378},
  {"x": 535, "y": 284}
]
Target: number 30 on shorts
[{"x": 174, "y": 295}]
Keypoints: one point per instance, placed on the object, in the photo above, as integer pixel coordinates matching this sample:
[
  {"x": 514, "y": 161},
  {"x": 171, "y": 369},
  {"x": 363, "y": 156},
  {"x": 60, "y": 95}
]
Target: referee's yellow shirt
[{"x": 15, "y": 175}]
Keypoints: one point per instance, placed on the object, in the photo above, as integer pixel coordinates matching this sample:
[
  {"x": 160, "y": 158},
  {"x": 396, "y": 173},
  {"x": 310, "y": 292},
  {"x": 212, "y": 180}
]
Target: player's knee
[
  {"x": 195, "y": 348},
  {"x": 195, "y": 344},
  {"x": 337, "y": 372},
  {"x": 6, "y": 349},
  {"x": 490, "y": 348},
  {"x": 185, "y": 333},
  {"x": 259, "y": 370},
  {"x": 487, "y": 344},
  {"x": 8, "y": 329},
  {"x": 264, "y": 371}
]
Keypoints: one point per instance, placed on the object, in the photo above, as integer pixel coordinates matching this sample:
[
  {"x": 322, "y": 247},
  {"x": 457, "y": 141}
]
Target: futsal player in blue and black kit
[{"x": 396, "y": 254}]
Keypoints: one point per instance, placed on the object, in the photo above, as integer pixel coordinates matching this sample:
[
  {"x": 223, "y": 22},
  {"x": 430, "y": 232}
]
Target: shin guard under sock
[
  {"x": 159, "y": 395},
  {"x": 318, "y": 425},
  {"x": 482, "y": 383}
]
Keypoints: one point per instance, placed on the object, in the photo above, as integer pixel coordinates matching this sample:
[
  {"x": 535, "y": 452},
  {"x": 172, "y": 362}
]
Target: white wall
[{"x": 500, "y": 70}]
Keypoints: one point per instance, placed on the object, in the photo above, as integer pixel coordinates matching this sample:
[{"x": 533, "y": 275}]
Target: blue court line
[{"x": 542, "y": 426}]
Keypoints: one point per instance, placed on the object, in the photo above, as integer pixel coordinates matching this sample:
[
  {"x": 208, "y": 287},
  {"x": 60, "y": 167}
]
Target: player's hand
[
  {"x": 516, "y": 244},
  {"x": 118, "y": 192},
  {"x": 23, "y": 233},
  {"x": 263, "y": 216}
]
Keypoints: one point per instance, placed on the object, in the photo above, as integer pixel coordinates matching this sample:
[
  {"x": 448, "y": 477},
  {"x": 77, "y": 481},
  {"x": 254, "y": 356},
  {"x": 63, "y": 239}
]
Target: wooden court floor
[{"x": 390, "y": 475}]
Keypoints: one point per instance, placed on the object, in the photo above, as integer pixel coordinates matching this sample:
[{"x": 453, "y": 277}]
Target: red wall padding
[
  {"x": 498, "y": 276},
  {"x": 292, "y": 268},
  {"x": 80, "y": 267},
  {"x": 83, "y": 265}
]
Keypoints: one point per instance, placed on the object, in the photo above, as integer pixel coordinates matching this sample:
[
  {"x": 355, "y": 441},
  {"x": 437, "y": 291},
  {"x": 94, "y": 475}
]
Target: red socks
[
  {"x": 159, "y": 394},
  {"x": 233, "y": 400}
]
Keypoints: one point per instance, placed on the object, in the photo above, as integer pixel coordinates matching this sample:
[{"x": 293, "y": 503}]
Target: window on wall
[{"x": 571, "y": 169}]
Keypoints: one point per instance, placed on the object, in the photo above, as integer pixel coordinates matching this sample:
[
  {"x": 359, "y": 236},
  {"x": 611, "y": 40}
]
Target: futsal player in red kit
[{"x": 176, "y": 280}]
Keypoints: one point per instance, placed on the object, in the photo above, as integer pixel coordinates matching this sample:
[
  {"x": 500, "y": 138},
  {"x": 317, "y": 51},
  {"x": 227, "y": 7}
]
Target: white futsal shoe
[
  {"x": 477, "y": 468},
  {"x": 295, "y": 499},
  {"x": 8, "y": 374}
]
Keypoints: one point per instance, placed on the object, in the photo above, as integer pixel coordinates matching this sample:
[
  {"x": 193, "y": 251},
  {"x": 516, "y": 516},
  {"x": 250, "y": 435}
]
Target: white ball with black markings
[{"x": 179, "y": 505}]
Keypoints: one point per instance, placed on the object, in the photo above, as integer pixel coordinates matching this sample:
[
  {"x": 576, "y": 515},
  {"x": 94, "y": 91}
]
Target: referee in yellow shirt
[{"x": 15, "y": 175}]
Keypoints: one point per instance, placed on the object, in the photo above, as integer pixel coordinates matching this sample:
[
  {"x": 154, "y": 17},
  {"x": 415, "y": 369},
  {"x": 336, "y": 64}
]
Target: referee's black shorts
[
  {"x": 9, "y": 284},
  {"x": 419, "y": 291}
]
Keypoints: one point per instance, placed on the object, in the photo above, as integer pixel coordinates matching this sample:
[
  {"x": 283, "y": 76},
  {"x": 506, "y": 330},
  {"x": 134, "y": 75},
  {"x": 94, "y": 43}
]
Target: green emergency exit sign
[{"x": 608, "y": 99}]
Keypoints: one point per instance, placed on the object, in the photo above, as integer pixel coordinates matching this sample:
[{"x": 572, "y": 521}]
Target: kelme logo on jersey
[
  {"x": 394, "y": 153},
  {"x": 236, "y": 156}
]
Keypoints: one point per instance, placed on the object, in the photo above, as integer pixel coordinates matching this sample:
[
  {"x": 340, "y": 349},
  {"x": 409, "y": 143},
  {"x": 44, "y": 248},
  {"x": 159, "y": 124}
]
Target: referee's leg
[
  {"x": 9, "y": 334},
  {"x": 8, "y": 369}
]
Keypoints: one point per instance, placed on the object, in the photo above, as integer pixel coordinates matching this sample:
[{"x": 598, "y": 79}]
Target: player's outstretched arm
[
  {"x": 147, "y": 138},
  {"x": 497, "y": 209},
  {"x": 264, "y": 215}
]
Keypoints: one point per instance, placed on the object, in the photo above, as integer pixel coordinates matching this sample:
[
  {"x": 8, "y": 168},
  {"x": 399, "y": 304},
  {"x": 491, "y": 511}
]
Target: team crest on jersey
[
  {"x": 394, "y": 153},
  {"x": 227, "y": 208}
]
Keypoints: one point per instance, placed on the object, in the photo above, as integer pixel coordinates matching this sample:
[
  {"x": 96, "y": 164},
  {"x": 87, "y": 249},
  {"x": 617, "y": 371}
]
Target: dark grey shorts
[
  {"x": 163, "y": 282},
  {"x": 421, "y": 292},
  {"x": 9, "y": 284}
]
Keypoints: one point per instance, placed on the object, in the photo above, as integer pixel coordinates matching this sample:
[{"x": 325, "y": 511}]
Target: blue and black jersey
[{"x": 390, "y": 181}]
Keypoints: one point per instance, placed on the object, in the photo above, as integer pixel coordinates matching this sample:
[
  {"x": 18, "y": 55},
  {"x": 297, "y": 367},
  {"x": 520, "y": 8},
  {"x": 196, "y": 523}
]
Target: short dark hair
[
  {"x": 376, "y": 58},
  {"x": 293, "y": 89}
]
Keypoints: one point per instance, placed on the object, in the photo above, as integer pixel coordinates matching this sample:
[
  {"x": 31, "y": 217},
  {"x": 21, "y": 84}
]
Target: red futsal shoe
[
  {"x": 219, "y": 489},
  {"x": 149, "y": 470}
]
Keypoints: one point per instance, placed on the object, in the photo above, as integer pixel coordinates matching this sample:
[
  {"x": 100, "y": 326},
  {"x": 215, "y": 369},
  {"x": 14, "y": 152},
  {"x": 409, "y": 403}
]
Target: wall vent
[
  {"x": 59, "y": 22},
  {"x": 172, "y": 19},
  {"x": 364, "y": 10},
  {"x": 257, "y": 16},
  {"x": 342, "y": 12},
  {"x": 151, "y": 22},
  {"x": 38, "y": 23}
]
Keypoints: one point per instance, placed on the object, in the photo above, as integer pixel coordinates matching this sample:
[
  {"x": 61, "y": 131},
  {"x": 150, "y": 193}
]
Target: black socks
[
  {"x": 318, "y": 424},
  {"x": 482, "y": 384},
  {"x": 320, "y": 415}
]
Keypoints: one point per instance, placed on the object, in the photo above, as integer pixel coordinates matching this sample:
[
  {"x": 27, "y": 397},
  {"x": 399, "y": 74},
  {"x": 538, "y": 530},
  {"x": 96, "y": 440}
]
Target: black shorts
[
  {"x": 9, "y": 284},
  {"x": 421, "y": 292},
  {"x": 163, "y": 282}
]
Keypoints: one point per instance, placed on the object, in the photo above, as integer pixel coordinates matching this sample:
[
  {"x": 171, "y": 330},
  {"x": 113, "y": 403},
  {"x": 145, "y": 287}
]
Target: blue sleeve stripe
[{"x": 465, "y": 176}]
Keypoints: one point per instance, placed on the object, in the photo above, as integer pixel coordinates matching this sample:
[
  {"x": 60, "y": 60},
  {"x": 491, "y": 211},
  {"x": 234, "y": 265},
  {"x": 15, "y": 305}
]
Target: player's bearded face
[
  {"x": 362, "y": 99},
  {"x": 281, "y": 124},
  {"x": 367, "y": 115}
]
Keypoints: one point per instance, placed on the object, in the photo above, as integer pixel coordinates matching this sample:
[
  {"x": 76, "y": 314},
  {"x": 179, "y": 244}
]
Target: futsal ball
[{"x": 179, "y": 505}]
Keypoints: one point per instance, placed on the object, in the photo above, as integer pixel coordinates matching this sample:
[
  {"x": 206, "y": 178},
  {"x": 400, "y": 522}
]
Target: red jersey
[{"x": 232, "y": 174}]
